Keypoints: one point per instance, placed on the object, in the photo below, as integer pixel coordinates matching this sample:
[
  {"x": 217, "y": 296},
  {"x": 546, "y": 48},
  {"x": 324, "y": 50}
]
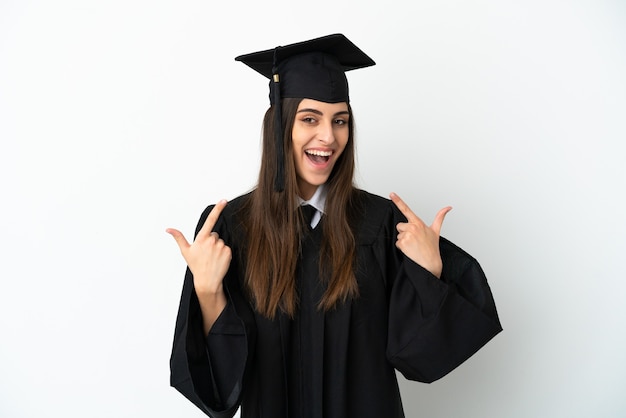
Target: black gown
[{"x": 340, "y": 363}]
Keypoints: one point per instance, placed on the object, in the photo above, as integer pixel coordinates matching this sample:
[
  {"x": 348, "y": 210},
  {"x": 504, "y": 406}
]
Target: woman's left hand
[{"x": 419, "y": 241}]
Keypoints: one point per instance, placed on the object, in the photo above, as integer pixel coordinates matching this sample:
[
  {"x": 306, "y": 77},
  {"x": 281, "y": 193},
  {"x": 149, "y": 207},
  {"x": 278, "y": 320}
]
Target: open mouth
[{"x": 317, "y": 156}]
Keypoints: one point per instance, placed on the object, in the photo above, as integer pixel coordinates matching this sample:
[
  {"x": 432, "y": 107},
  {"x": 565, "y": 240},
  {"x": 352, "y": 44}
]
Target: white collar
[{"x": 318, "y": 200}]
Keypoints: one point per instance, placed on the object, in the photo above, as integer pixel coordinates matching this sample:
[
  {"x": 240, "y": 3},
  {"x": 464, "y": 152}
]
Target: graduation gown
[{"x": 339, "y": 363}]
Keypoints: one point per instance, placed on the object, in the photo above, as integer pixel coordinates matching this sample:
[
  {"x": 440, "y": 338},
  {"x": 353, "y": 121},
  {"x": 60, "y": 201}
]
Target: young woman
[{"x": 305, "y": 295}]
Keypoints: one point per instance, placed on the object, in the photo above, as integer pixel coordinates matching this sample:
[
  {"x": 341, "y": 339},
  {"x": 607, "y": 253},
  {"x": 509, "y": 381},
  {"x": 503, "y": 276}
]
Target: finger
[
  {"x": 211, "y": 220},
  {"x": 179, "y": 238},
  {"x": 404, "y": 208},
  {"x": 413, "y": 228},
  {"x": 436, "y": 226}
]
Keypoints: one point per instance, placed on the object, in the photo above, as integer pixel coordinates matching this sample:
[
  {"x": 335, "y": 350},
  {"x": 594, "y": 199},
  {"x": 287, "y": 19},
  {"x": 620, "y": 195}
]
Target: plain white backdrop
[{"x": 121, "y": 118}]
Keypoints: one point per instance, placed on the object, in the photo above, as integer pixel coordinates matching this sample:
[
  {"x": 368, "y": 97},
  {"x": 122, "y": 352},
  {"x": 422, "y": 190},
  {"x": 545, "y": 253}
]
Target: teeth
[{"x": 319, "y": 153}]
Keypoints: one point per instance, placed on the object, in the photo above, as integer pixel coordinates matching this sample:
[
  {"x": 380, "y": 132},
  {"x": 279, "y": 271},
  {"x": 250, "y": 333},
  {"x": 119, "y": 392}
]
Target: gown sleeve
[
  {"x": 435, "y": 324},
  {"x": 209, "y": 370}
]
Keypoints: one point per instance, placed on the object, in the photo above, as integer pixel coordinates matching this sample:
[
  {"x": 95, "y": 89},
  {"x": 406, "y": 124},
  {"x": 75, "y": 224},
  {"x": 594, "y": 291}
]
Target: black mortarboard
[{"x": 313, "y": 69}]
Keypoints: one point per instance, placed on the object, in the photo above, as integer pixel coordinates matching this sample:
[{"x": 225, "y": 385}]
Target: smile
[{"x": 318, "y": 156}]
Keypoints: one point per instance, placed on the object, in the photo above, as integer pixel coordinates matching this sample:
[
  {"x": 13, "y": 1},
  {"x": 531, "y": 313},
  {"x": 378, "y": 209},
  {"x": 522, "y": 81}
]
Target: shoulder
[
  {"x": 376, "y": 207},
  {"x": 375, "y": 216},
  {"x": 236, "y": 205},
  {"x": 229, "y": 215},
  {"x": 232, "y": 208},
  {"x": 372, "y": 203}
]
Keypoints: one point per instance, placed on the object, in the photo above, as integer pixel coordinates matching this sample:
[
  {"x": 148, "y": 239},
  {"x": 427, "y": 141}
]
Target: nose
[{"x": 325, "y": 133}]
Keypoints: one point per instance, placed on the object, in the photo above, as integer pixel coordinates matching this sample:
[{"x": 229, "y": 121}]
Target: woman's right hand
[{"x": 208, "y": 257}]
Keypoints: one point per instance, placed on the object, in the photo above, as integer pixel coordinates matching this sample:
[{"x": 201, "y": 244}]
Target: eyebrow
[{"x": 317, "y": 112}]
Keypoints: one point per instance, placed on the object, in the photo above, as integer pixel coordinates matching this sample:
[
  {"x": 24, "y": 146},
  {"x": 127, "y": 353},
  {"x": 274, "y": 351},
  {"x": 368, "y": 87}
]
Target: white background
[{"x": 121, "y": 118}]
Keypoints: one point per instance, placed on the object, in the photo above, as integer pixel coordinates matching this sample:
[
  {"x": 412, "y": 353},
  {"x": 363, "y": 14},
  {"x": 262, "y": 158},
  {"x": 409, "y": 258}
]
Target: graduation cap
[{"x": 313, "y": 69}]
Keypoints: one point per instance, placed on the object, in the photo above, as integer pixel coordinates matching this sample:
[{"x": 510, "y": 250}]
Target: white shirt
[{"x": 318, "y": 201}]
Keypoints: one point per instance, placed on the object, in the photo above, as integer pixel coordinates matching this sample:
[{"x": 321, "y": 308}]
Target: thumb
[
  {"x": 441, "y": 215},
  {"x": 179, "y": 238}
]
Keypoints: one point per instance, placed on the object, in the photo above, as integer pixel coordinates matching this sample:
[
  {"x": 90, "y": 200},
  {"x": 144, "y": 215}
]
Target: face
[{"x": 320, "y": 134}]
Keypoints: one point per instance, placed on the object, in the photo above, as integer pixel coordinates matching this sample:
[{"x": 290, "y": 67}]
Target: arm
[
  {"x": 210, "y": 343},
  {"x": 433, "y": 326},
  {"x": 438, "y": 316}
]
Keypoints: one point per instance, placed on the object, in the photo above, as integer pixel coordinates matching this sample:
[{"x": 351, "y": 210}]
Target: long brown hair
[{"x": 274, "y": 226}]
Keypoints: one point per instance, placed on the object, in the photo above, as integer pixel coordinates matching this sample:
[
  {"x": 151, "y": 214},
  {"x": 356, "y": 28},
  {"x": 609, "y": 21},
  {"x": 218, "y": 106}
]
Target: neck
[{"x": 306, "y": 192}]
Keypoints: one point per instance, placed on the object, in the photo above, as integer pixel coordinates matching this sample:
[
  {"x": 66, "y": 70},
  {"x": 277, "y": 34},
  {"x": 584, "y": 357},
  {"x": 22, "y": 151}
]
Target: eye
[
  {"x": 340, "y": 122},
  {"x": 309, "y": 119}
]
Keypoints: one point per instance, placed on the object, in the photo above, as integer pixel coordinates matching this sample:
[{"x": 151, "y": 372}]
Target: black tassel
[{"x": 279, "y": 181}]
